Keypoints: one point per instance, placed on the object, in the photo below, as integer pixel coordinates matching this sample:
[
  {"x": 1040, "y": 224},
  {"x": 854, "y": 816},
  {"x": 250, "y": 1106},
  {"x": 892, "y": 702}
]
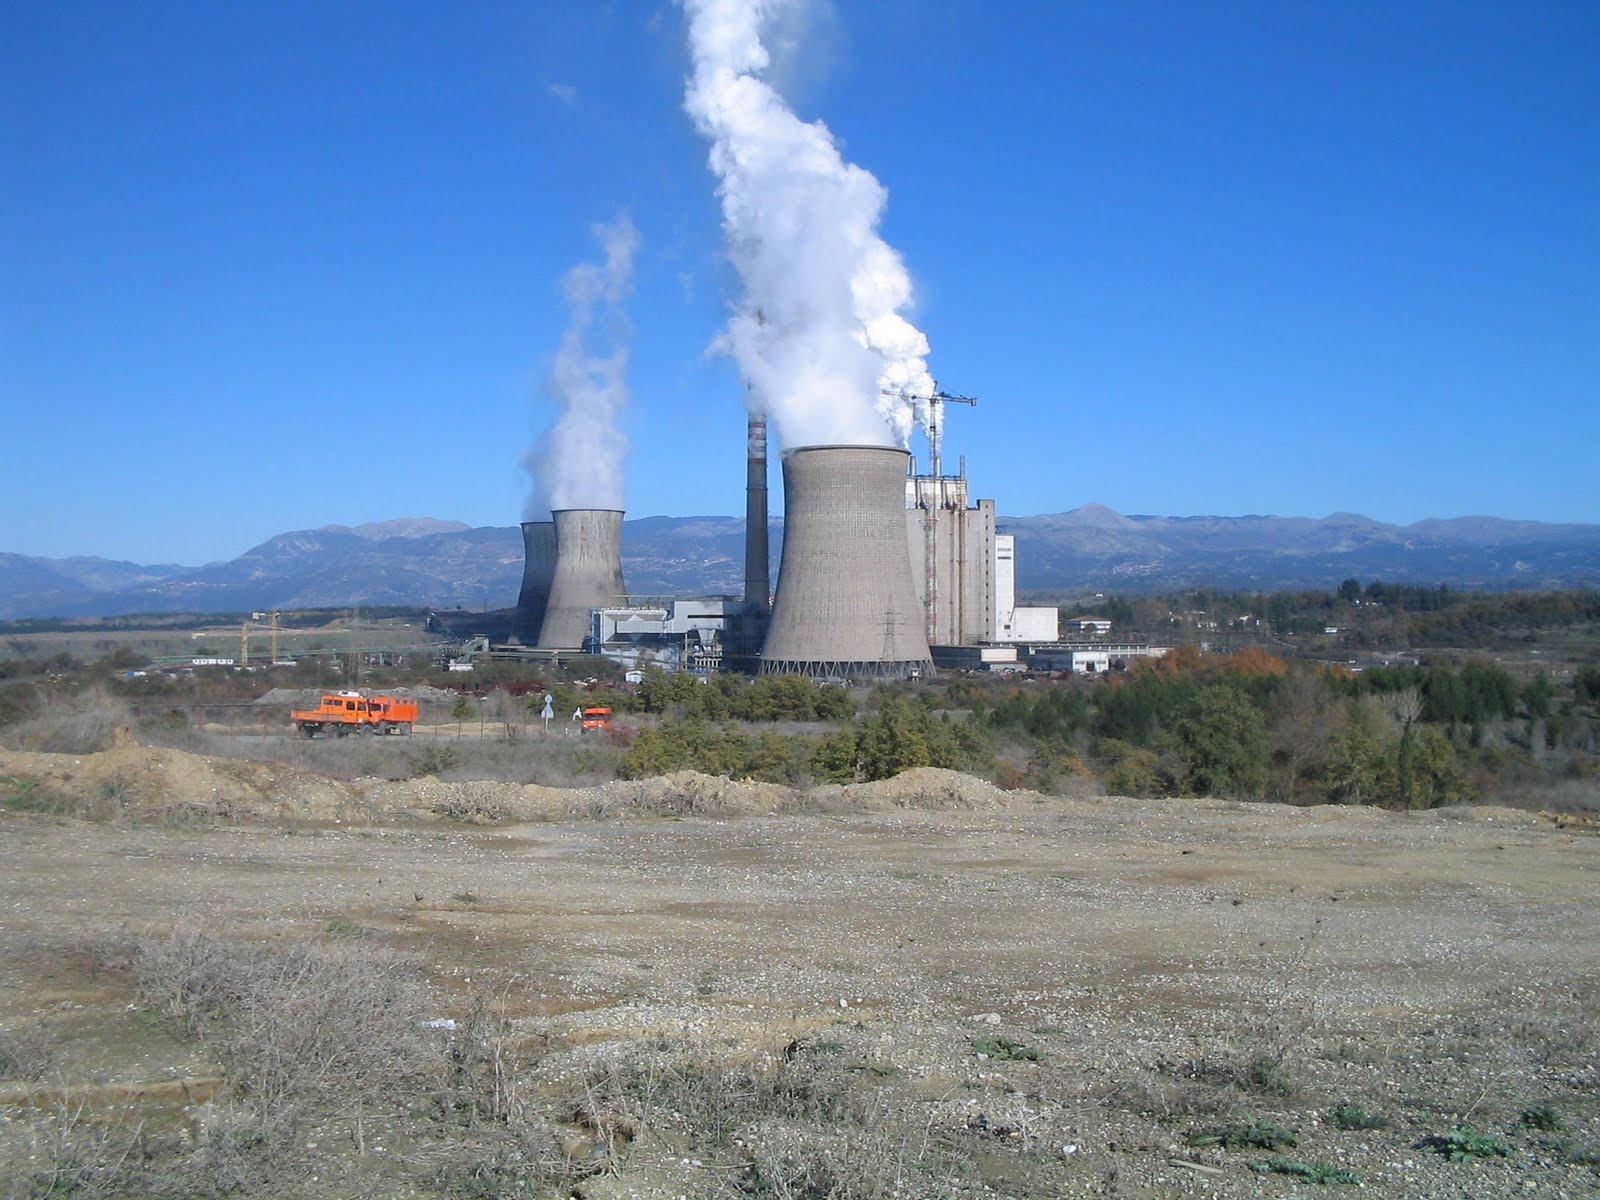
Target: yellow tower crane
[{"x": 247, "y": 627}]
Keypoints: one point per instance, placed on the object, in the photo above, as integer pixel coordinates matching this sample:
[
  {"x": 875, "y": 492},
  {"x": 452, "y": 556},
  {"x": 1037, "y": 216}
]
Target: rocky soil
[{"x": 961, "y": 991}]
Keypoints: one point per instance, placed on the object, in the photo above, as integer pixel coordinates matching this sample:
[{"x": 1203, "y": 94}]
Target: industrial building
[
  {"x": 965, "y": 571},
  {"x": 886, "y": 572}
]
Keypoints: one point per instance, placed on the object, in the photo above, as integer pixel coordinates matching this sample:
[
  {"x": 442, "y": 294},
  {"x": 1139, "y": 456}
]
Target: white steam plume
[
  {"x": 577, "y": 462},
  {"x": 818, "y": 334}
]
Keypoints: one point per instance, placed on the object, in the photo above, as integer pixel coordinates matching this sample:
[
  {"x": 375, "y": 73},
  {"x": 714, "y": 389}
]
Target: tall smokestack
[
  {"x": 757, "y": 578},
  {"x": 588, "y": 573},
  {"x": 538, "y": 568},
  {"x": 846, "y": 604}
]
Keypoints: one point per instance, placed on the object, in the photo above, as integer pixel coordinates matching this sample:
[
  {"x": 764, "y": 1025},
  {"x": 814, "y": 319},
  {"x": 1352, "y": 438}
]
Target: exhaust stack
[
  {"x": 757, "y": 578},
  {"x": 538, "y": 568},
  {"x": 846, "y": 604},
  {"x": 588, "y": 574}
]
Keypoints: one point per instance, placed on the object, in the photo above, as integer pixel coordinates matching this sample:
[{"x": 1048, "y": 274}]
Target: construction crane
[
  {"x": 934, "y": 426},
  {"x": 245, "y": 629}
]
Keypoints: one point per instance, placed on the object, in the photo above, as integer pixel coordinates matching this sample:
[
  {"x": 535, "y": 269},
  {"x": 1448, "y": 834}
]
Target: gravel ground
[{"x": 1060, "y": 994}]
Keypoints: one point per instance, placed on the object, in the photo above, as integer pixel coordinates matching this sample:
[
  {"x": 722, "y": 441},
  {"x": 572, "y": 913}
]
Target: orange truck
[{"x": 341, "y": 713}]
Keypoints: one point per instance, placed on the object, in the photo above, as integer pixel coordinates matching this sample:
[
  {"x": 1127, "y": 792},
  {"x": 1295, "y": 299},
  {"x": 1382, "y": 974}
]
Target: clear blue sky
[{"x": 268, "y": 266}]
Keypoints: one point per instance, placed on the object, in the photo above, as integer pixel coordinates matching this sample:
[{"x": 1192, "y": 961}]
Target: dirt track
[{"x": 1436, "y": 966}]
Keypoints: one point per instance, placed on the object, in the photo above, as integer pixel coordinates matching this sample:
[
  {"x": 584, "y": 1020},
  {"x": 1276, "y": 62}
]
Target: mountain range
[{"x": 446, "y": 564}]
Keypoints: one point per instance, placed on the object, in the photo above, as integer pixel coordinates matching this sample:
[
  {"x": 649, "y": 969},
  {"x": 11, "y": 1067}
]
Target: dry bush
[
  {"x": 308, "y": 1037},
  {"x": 25, "y": 1054},
  {"x": 786, "y": 1163},
  {"x": 303, "y": 1022},
  {"x": 79, "y": 726},
  {"x": 76, "y": 1152},
  {"x": 192, "y": 976},
  {"x": 1567, "y": 797},
  {"x": 810, "y": 1121},
  {"x": 237, "y": 1149},
  {"x": 561, "y": 759},
  {"x": 485, "y": 1060},
  {"x": 314, "y": 1022}
]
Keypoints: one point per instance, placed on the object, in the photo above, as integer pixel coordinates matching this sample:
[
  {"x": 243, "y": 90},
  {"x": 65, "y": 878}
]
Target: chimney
[
  {"x": 538, "y": 566},
  {"x": 845, "y": 603},
  {"x": 588, "y": 574},
  {"x": 757, "y": 581}
]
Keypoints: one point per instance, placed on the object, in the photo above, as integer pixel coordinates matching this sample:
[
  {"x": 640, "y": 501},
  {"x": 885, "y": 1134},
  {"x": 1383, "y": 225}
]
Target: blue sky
[{"x": 271, "y": 266}]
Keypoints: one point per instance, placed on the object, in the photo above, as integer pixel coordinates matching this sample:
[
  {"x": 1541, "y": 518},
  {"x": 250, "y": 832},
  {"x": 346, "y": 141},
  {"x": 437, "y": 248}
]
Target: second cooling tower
[
  {"x": 845, "y": 604},
  {"x": 587, "y": 575}
]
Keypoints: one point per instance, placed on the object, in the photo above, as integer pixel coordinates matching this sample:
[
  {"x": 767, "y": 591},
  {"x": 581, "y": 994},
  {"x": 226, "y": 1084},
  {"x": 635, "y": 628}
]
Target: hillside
[{"x": 424, "y": 561}]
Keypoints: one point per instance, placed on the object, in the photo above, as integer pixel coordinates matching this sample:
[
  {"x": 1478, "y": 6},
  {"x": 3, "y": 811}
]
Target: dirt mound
[
  {"x": 926, "y": 787},
  {"x": 150, "y": 783}
]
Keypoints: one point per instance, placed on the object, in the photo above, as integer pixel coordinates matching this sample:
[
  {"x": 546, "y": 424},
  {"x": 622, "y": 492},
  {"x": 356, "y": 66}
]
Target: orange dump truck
[
  {"x": 596, "y": 716},
  {"x": 339, "y": 713}
]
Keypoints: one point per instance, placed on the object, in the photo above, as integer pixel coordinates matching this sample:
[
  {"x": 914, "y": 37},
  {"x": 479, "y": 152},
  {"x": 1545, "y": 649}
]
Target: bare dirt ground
[{"x": 1017, "y": 995}]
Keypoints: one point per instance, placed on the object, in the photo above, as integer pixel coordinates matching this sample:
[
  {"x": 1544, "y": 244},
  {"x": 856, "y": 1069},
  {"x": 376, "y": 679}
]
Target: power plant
[{"x": 887, "y": 572}]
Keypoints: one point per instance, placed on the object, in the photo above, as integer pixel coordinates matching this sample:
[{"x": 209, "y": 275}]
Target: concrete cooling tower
[
  {"x": 588, "y": 574},
  {"x": 846, "y": 604},
  {"x": 538, "y": 568}
]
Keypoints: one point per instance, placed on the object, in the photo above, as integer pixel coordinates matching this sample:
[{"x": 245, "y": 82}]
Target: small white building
[
  {"x": 1088, "y": 662},
  {"x": 1089, "y": 626}
]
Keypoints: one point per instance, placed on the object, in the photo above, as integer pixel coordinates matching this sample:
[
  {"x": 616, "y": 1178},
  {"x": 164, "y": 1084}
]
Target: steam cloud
[
  {"x": 577, "y": 462},
  {"x": 818, "y": 334}
]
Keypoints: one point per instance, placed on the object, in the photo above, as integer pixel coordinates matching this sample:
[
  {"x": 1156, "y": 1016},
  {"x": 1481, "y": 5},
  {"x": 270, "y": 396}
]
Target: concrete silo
[
  {"x": 538, "y": 569},
  {"x": 846, "y": 604},
  {"x": 588, "y": 574}
]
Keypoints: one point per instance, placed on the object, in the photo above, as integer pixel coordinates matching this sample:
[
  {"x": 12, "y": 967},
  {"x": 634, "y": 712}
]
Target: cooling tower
[
  {"x": 845, "y": 603},
  {"x": 538, "y": 567},
  {"x": 588, "y": 574}
]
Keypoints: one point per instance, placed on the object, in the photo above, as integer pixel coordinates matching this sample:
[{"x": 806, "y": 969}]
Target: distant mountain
[
  {"x": 402, "y": 527},
  {"x": 440, "y": 564},
  {"x": 1095, "y": 548},
  {"x": 48, "y": 586},
  {"x": 426, "y": 562}
]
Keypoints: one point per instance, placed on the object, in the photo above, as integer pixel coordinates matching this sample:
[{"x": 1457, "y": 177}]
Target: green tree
[
  {"x": 462, "y": 710},
  {"x": 1222, "y": 743},
  {"x": 1127, "y": 770},
  {"x": 1538, "y": 697},
  {"x": 1432, "y": 775},
  {"x": 899, "y": 736},
  {"x": 1586, "y": 685}
]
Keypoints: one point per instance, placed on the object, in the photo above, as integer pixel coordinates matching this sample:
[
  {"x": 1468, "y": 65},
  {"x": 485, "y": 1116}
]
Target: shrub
[
  {"x": 25, "y": 1054},
  {"x": 1267, "y": 1074},
  {"x": 1465, "y": 1143},
  {"x": 1247, "y": 1135},
  {"x": 1004, "y": 1049},
  {"x": 433, "y": 760},
  {"x": 306, "y": 1021},
  {"x": 1311, "y": 1172},
  {"x": 1352, "y": 1117},
  {"x": 1544, "y": 1118}
]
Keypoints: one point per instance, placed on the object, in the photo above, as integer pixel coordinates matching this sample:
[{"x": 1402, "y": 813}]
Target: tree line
[{"x": 1253, "y": 725}]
